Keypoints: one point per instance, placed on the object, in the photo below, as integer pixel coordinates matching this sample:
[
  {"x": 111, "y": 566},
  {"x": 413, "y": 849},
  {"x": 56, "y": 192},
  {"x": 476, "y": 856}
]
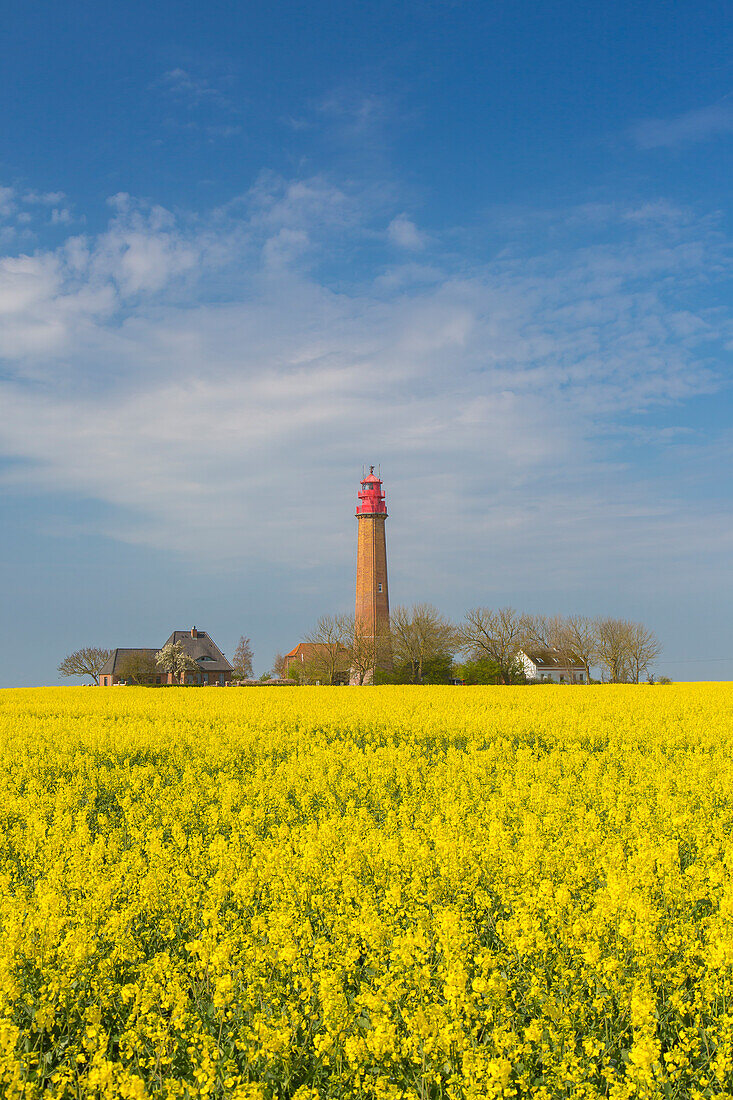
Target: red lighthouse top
[{"x": 371, "y": 497}]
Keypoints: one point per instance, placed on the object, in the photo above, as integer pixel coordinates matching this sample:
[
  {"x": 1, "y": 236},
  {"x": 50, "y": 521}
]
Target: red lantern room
[{"x": 371, "y": 497}]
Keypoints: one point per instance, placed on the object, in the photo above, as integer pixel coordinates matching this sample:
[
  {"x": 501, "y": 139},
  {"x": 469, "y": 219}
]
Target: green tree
[
  {"x": 138, "y": 666},
  {"x": 481, "y": 671}
]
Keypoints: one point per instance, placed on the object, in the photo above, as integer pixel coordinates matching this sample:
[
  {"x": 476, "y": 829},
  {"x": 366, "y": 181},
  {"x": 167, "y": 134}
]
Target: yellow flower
[{"x": 378, "y": 893}]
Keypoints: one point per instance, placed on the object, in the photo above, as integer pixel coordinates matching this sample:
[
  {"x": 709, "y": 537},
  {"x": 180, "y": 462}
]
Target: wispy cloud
[
  {"x": 358, "y": 112},
  {"x": 697, "y": 125},
  {"x": 25, "y": 211},
  {"x": 202, "y": 104},
  {"x": 193, "y": 90},
  {"x": 44, "y": 198},
  {"x": 186, "y": 372},
  {"x": 403, "y": 232},
  {"x": 7, "y": 201}
]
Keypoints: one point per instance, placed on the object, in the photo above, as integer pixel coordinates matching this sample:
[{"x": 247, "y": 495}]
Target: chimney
[{"x": 193, "y": 631}]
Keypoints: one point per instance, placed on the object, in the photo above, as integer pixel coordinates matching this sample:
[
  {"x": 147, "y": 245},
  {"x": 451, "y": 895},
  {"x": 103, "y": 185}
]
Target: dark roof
[
  {"x": 206, "y": 654},
  {"x": 115, "y": 662},
  {"x": 549, "y": 658}
]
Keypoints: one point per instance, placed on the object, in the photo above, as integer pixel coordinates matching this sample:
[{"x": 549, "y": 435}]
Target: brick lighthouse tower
[{"x": 372, "y": 595}]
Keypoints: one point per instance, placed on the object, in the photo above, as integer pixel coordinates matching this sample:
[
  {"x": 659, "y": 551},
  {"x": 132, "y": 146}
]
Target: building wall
[
  {"x": 565, "y": 675},
  {"x": 372, "y": 604},
  {"x": 372, "y": 589},
  {"x": 167, "y": 678},
  {"x": 530, "y": 668},
  {"x": 557, "y": 675}
]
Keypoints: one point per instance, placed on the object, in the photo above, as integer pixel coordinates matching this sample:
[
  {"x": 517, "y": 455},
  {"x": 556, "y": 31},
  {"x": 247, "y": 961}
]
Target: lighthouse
[{"x": 372, "y": 594}]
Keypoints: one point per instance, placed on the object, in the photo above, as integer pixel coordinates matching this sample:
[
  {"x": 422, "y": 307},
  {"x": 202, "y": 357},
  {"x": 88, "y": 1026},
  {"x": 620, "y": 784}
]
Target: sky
[{"x": 247, "y": 249}]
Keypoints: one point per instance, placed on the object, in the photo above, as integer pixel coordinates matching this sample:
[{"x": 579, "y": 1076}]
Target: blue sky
[{"x": 246, "y": 249}]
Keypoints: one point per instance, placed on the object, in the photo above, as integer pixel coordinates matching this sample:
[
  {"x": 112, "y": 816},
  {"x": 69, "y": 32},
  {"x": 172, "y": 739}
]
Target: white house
[{"x": 549, "y": 664}]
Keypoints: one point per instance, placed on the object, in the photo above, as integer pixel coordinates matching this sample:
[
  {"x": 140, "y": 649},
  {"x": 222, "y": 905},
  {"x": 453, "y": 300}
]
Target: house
[
  {"x": 138, "y": 665},
  {"x": 315, "y": 657},
  {"x": 213, "y": 665},
  {"x": 124, "y": 665},
  {"x": 549, "y": 664}
]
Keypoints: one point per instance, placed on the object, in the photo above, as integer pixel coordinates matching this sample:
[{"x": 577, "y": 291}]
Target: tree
[
  {"x": 420, "y": 634},
  {"x": 362, "y": 651},
  {"x": 242, "y": 660},
  {"x": 614, "y": 654},
  {"x": 173, "y": 659},
  {"x": 481, "y": 671},
  {"x": 438, "y": 670},
  {"x": 644, "y": 647},
  {"x": 299, "y": 672},
  {"x": 85, "y": 662},
  {"x": 138, "y": 665},
  {"x": 577, "y": 640},
  {"x": 498, "y": 636},
  {"x": 329, "y": 659},
  {"x": 540, "y": 631},
  {"x": 280, "y": 667},
  {"x": 366, "y": 651}
]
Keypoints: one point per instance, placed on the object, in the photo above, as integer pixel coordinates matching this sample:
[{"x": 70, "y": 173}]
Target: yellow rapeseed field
[{"x": 394, "y": 892}]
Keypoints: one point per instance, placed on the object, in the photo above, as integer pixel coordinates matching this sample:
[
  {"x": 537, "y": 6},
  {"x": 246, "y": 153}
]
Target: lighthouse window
[{"x": 379, "y": 587}]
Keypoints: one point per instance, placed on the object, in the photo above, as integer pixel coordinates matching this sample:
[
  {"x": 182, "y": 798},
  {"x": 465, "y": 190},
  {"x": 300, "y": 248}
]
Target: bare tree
[
  {"x": 419, "y": 634},
  {"x": 367, "y": 651},
  {"x": 173, "y": 658},
  {"x": 329, "y": 659},
  {"x": 644, "y": 647},
  {"x": 613, "y": 636},
  {"x": 577, "y": 640},
  {"x": 572, "y": 639},
  {"x": 362, "y": 652},
  {"x": 280, "y": 667},
  {"x": 496, "y": 635},
  {"x": 242, "y": 660},
  {"x": 539, "y": 630},
  {"x": 138, "y": 665},
  {"x": 85, "y": 662}
]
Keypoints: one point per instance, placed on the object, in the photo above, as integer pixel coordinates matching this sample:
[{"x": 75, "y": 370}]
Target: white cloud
[
  {"x": 44, "y": 198},
  {"x": 7, "y": 201},
  {"x": 22, "y": 209},
  {"x": 192, "y": 89},
  {"x": 693, "y": 126},
  {"x": 191, "y": 372},
  {"x": 44, "y": 314},
  {"x": 404, "y": 233},
  {"x": 311, "y": 203},
  {"x": 143, "y": 250},
  {"x": 284, "y": 247}
]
